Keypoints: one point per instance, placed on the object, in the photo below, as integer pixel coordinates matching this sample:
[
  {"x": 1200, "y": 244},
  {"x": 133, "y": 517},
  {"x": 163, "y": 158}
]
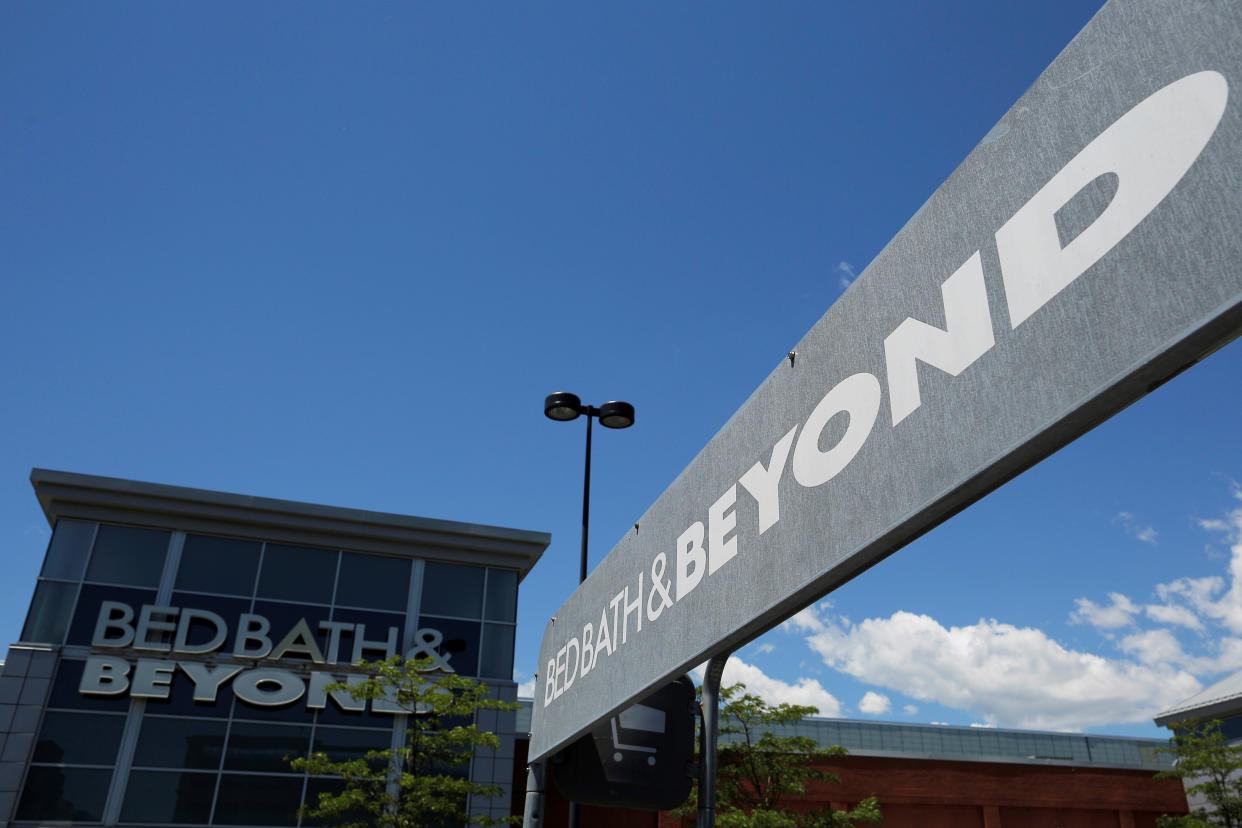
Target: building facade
[
  {"x": 939, "y": 776},
  {"x": 1221, "y": 702},
  {"x": 178, "y": 644}
]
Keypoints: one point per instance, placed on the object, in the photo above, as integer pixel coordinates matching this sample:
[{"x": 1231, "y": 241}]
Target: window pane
[
  {"x": 374, "y": 582},
  {"x": 497, "y": 651},
  {"x": 284, "y": 617},
  {"x": 258, "y": 800},
  {"x": 179, "y": 743},
  {"x": 66, "y": 554},
  {"x": 50, "y": 610},
  {"x": 224, "y": 565},
  {"x": 230, "y": 609},
  {"x": 317, "y": 785},
  {"x": 342, "y": 744},
  {"x": 65, "y": 691},
  {"x": 79, "y": 739},
  {"x": 376, "y": 627},
  {"x": 75, "y": 794},
  {"x": 82, "y": 628},
  {"x": 459, "y": 643},
  {"x": 501, "y": 602},
  {"x": 298, "y": 573},
  {"x": 128, "y": 555},
  {"x": 262, "y": 747},
  {"x": 165, "y": 798},
  {"x": 452, "y": 589},
  {"x": 181, "y": 701}
]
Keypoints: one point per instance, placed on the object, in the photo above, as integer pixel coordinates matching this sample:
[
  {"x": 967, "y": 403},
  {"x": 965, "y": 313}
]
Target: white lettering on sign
[
  {"x": 1149, "y": 149},
  {"x": 161, "y": 629}
]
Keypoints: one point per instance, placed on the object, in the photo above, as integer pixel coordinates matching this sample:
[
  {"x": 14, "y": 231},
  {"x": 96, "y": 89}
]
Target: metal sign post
[
  {"x": 706, "y": 817},
  {"x": 536, "y": 787}
]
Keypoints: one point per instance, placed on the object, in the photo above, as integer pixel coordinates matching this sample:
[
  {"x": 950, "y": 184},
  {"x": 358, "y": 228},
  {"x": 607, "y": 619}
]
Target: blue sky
[{"x": 340, "y": 253}]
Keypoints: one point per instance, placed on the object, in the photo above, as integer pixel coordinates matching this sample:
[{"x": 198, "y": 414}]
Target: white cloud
[
  {"x": 1134, "y": 528},
  {"x": 526, "y": 689},
  {"x": 875, "y": 704},
  {"x": 764, "y": 648},
  {"x": 807, "y": 620},
  {"x": 1212, "y": 597},
  {"x": 1154, "y": 647},
  {"x": 910, "y": 710},
  {"x": 1017, "y": 676},
  {"x": 1160, "y": 647},
  {"x": 1120, "y": 613},
  {"x": 1173, "y": 614},
  {"x": 850, "y": 275},
  {"x": 806, "y": 691}
]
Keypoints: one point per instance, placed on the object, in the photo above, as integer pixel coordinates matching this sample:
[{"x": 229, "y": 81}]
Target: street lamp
[{"x": 563, "y": 406}]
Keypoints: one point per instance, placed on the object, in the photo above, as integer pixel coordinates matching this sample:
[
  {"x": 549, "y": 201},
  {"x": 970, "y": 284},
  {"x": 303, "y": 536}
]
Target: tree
[
  {"x": 1208, "y": 767},
  {"x": 758, "y": 772},
  {"x": 423, "y": 783}
]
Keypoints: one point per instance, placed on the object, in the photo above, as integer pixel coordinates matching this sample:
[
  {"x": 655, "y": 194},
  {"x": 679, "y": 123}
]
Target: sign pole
[
  {"x": 707, "y": 741},
  {"x": 532, "y": 817}
]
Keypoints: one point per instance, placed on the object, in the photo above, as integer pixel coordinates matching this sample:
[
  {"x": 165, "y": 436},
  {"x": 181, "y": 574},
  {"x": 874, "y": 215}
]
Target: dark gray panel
[{"x": 1097, "y": 227}]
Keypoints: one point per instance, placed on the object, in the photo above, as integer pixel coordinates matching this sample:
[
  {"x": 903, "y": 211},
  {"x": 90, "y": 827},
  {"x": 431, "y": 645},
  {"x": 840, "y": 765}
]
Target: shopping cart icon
[{"x": 639, "y": 719}]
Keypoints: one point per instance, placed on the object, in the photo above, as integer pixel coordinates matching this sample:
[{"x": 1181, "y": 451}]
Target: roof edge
[{"x": 90, "y": 497}]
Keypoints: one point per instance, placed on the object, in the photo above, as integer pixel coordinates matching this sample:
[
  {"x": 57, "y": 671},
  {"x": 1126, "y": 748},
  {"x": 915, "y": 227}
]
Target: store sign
[
  {"x": 1085, "y": 252},
  {"x": 253, "y": 651}
]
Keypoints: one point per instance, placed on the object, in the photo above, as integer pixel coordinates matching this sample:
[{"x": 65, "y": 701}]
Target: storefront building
[
  {"x": 942, "y": 776},
  {"x": 178, "y": 644}
]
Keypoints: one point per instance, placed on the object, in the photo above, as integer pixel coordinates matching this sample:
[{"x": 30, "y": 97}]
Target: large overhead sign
[{"x": 1086, "y": 251}]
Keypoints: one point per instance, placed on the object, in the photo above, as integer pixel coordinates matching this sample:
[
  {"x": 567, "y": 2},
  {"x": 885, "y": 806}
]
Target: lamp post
[{"x": 563, "y": 406}]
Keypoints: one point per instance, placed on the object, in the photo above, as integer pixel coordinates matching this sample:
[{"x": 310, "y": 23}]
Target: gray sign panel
[{"x": 1087, "y": 250}]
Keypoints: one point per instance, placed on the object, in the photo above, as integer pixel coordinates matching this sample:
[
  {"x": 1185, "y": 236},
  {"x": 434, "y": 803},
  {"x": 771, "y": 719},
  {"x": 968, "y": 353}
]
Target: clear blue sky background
[{"x": 339, "y": 253}]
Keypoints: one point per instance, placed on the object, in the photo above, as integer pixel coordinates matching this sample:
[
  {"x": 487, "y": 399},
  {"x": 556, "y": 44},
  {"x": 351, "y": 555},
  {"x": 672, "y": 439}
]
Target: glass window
[
  {"x": 295, "y": 712},
  {"x": 181, "y": 701},
  {"x": 82, "y": 628},
  {"x": 459, "y": 643},
  {"x": 258, "y": 800},
  {"x": 254, "y": 746},
  {"x": 66, "y": 554},
  {"x": 69, "y": 794},
  {"x": 79, "y": 739},
  {"x": 317, "y": 785},
  {"x": 179, "y": 743},
  {"x": 223, "y": 565},
  {"x": 497, "y": 661},
  {"x": 1231, "y": 727},
  {"x": 452, "y": 589},
  {"x": 334, "y": 715},
  {"x": 65, "y": 691},
  {"x": 168, "y": 798},
  {"x": 50, "y": 610},
  {"x": 501, "y": 604},
  {"x": 377, "y": 626},
  {"x": 230, "y": 609},
  {"x": 342, "y": 744},
  {"x": 284, "y": 617},
  {"x": 128, "y": 555},
  {"x": 298, "y": 573},
  {"x": 374, "y": 582}
]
